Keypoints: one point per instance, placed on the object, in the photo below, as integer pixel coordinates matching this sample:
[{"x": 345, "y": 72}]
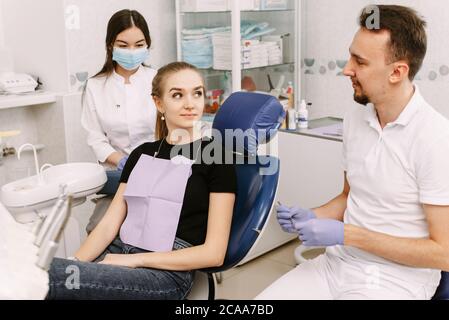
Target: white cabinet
[
  {"x": 224, "y": 38},
  {"x": 311, "y": 175}
]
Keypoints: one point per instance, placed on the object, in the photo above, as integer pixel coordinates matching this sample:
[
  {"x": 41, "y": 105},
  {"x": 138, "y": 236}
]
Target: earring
[{"x": 163, "y": 118}]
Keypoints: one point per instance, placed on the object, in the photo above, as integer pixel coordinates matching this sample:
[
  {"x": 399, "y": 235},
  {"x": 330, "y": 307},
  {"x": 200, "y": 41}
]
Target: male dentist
[{"x": 387, "y": 233}]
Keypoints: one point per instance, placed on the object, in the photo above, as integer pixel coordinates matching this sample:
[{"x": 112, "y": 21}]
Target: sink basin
[{"x": 82, "y": 179}]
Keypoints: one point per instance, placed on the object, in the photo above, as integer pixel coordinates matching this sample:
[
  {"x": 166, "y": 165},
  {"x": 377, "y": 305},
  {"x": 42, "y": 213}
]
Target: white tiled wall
[
  {"x": 34, "y": 31},
  {"x": 76, "y": 137},
  {"x": 38, "y": 125},
  {"x": 329, "y": 27}
]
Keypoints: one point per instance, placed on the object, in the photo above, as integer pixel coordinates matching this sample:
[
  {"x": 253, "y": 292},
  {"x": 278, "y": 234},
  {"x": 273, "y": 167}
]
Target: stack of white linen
[
  {"x": 197, "y": 46},
  {"x": 254, "y": 53}
]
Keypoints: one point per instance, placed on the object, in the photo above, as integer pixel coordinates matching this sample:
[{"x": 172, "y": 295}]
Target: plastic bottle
[
  {"x": 290, "y": 94},
  {"x": 303, "y": 116},
  {"x": 291, "y": 119}
]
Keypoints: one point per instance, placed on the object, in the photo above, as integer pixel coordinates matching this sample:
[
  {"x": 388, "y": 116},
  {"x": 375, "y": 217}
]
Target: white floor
[{"x": 247, "y": 281}]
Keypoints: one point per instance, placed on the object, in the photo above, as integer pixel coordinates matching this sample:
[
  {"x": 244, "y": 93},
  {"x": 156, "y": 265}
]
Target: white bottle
[
  {"x": 291, "y": 119},
  {"x": 303, "y": 116}
]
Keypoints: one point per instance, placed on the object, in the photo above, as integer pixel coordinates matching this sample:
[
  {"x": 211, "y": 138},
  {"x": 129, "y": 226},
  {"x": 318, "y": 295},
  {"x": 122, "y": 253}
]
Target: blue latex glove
[
  {"x": 122, "y": 163},
  {"x": 321, "y": 232},
  {"x": 287, "y": 217}
]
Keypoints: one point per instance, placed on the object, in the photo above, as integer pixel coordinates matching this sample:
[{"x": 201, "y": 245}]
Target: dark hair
[
  {"x": 408, "y": 39},
  {"x": 158, "y": 89},
  {"x": 119, "y": 22}
]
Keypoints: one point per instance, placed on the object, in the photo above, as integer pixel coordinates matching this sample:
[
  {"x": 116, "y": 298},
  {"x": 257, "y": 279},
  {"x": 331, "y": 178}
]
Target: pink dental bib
[{"x": 154, "y": 195}]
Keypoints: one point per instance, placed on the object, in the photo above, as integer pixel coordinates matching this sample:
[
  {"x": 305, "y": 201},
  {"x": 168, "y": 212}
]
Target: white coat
[{"x": 119, "y": 117}]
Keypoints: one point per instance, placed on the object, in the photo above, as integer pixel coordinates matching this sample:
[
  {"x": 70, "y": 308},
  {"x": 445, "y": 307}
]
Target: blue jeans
[{"x": 108, "y": 282}]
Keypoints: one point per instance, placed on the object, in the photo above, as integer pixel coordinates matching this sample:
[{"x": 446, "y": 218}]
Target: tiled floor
[{"x": 247, "y": 281}]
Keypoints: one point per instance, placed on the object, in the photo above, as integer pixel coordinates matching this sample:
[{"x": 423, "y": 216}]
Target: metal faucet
[{"x": 36, "y": 162}]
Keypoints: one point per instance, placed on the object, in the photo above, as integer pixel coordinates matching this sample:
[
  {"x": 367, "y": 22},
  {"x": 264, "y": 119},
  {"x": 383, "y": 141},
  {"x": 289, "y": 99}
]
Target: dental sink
[{"x": 41, "y": 191}]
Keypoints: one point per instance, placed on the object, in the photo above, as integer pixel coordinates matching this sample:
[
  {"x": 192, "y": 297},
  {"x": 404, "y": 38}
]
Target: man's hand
[
  {"x": 321, "y": 232},
  {"x": 287, "y": 217}
]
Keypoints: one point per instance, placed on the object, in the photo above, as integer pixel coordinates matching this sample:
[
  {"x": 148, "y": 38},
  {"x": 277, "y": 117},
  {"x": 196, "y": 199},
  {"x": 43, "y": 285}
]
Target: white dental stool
[{"x": 31, "y": 199}]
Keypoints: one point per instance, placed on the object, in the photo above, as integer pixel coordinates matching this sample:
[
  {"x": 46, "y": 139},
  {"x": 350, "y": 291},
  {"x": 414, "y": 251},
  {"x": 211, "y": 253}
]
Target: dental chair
[
  {"x": 259, "y": 116},
  {"x": 255, "y": 197}
]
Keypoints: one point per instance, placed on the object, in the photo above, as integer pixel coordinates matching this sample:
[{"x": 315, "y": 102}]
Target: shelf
[
  {"x": 316, "y": 124},
  {"x": 246, "y": 69},
  {"x": 242, "y": 11},
  {"x": 22, "y": 100},
  {"x": 285, "y": 19}
]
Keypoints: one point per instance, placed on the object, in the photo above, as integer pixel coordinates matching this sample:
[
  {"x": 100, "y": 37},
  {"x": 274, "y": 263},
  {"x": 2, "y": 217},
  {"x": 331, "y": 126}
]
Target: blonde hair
[{"x": 158, "y": 88}]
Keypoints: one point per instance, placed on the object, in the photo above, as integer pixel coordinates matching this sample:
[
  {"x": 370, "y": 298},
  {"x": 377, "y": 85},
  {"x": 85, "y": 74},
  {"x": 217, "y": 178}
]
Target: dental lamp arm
[{"x": 48, "y": 249}]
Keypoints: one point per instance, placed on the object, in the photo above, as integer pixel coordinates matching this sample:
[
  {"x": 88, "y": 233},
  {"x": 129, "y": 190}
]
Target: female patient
[{"x": 168, "y": 223}]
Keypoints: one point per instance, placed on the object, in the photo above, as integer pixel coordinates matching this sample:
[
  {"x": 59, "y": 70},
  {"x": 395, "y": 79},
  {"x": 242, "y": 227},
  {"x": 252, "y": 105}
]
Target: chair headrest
[{"x": 248, "y": 119}]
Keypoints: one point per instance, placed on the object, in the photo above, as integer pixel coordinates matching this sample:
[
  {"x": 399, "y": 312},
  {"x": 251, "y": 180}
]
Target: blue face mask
[{"x": 130, "y": 59}]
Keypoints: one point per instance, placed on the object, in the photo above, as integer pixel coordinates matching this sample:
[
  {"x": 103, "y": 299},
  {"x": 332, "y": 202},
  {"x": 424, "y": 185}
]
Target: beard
[{"x": 361, "y": 97}]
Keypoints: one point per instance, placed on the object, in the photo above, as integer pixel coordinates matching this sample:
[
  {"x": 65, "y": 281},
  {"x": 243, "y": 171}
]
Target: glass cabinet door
[{"x": 265, "y": 32}]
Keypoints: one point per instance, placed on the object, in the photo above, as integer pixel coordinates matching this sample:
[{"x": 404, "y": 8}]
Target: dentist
[
  {"x": 118, "y": 111},
  {"x": 386, "y": 233}
]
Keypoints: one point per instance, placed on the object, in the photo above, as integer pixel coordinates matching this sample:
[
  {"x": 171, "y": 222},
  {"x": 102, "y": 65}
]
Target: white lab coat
[{"x": 118, "y": 116}]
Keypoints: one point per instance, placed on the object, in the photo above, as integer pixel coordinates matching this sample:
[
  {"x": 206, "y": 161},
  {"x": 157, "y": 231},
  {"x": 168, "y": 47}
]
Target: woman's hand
[{"x": 123, "y": 260}]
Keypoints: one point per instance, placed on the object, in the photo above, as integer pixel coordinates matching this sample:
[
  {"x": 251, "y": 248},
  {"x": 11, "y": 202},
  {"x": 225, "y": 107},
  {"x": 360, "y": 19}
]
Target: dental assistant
[{"x": 118, "y": 111}]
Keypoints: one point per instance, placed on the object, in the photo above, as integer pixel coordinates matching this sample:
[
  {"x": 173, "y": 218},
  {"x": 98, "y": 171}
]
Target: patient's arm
[
  {"x": 335, "y": 209},
  {"x": 209, "y": 254},
  {"x": 106, "y": 231}
]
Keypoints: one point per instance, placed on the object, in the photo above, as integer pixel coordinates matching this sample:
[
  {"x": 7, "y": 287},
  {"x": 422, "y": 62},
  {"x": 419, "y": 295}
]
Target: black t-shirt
[{"x": 207, "y": 177}]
